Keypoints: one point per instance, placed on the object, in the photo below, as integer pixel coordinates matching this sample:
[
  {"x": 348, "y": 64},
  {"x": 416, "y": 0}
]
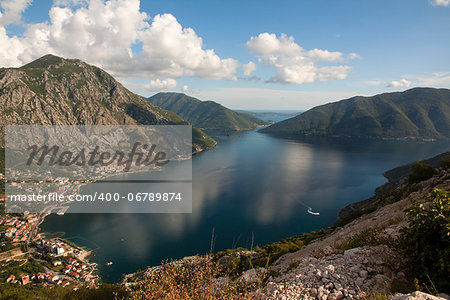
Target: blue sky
[{"x": 304, "y": 53}]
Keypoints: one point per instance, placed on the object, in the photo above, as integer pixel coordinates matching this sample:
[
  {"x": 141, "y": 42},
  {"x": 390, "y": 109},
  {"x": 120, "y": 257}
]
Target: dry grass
[{"x": 200, "y": 280}]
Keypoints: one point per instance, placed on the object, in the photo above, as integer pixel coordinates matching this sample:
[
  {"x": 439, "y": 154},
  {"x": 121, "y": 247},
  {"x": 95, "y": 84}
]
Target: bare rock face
[
  {"x": 336, "y": 276},
  {"x": 56, "y": 91},
  {"x": 418, "y": 296},
  {"x": 253, "y": 275}
]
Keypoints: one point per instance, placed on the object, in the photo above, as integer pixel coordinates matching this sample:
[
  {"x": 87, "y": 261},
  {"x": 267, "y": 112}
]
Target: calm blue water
[{"x": 251, "y": 183}]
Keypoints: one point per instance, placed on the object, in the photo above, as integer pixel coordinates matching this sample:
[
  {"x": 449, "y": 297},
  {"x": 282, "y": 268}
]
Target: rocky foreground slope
[
  {"x": 330, "y": 268},
  {"x": 357, "y": 260}
]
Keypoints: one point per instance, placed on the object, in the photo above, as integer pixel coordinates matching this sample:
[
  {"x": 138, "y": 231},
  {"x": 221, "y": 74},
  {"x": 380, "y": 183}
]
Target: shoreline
[
  {"x": 86, "y": 252},
  {"x": 361, "y": 138},
  {"x": 337, "y": 222}
]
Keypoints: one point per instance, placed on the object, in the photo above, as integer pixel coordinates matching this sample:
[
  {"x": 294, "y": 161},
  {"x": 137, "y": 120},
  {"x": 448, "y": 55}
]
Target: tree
[
  {"x": 421, "y": 172},
  {"x": 425, "y": 243}
]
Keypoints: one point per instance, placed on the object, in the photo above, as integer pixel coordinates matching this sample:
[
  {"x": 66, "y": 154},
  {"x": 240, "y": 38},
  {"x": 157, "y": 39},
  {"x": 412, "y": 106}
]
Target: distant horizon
[
  {"x": 268, "y": 111},
  {"x": 253, "y": 109}
]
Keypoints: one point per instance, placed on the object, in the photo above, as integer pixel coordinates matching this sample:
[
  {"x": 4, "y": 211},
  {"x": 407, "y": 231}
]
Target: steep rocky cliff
[{"x": 57, "y": 91}]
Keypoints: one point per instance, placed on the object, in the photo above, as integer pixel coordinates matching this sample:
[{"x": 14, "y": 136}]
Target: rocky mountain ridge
[{"x": 56, "y": 91}]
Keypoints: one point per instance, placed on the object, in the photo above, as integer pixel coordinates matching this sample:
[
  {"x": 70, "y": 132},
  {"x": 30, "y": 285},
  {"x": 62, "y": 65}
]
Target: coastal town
[
  {"x": 28, "y": 257},
  {"x": 31, "y": 258}
]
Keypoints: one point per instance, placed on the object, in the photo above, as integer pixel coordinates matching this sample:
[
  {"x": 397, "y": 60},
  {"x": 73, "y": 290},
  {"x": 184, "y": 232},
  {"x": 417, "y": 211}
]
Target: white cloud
[
  {"x": 354, "y": 56},
  {"x": 161, "y": 85},
  {"x": 400, "y": 83},
  {"x": 9, "y": 48},
  {"x": 175, "y": 51},
  {"x": 150, "y": 87},
  {"x": 440, "y": 2},
  {"x": 185, "y": 89},
  {"x": 104, "y": 33},
  {"x": 292, "y": 63},
  {"x": 249, "y": 68},
  {"x": 437, "y": 79},
  {"x": 11, "y": 11},
  {"x": 324, "y": 55}
]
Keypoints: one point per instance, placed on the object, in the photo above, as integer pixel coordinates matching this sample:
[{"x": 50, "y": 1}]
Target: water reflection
[{"x": 252, "y": 184}]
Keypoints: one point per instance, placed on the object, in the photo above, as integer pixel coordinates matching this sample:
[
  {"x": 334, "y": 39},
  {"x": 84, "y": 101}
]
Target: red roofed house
[
  {"x": 65, "y": 283},
  {"x": 25, "y": 279}
]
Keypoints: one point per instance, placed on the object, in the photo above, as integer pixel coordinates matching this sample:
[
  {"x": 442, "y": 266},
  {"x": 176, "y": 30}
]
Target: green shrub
[
  {"x": 421, "y": 172},
  {"x": 445, "y": 162},
  {"x": 16, "y": 268},
  {"x": 269, "y": 253},
  {"x": 292, "y": 266},
  {"x": 426, "y": 242},
  {"x": 367, "y": 237}
]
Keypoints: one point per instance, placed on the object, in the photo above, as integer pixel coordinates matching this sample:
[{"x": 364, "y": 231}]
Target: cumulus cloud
[
  {"x": 161, "y": 85},
  {"x": 324, "y": 55},
  {"x": 175, "y": 51},
  {"x": 152, "y": 86},
  {"x": 105, "y": 33},
  {"x": 11, "y": 11},
  {"x": 400, "y": 83},
  {"x": 440, "y": 2},
  {"x": 185, "y": 89},
  {"x": 249, "y": 68},
  {"x": 9, "y": 48},
  {"x": 292, "y": 63}
]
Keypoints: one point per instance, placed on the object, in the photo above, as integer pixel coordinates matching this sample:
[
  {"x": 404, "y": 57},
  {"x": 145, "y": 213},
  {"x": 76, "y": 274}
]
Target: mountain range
[
  {"x": 56, "y": 91},
  {"x": 418, "y": 113},
  {"x": 209, "y": 116}
]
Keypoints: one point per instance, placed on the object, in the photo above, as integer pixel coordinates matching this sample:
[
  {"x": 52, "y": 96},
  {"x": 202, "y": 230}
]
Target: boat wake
[
  {"x": 312, "y": 213},
  {"x": 309, "y": 209}
]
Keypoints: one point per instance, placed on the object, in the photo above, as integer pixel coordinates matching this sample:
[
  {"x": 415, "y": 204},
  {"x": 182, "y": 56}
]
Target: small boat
[
  {"x": 109, "y": 263},
  {"x": 312, "y": 213},
  {"x": 62, "y": 210}
]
